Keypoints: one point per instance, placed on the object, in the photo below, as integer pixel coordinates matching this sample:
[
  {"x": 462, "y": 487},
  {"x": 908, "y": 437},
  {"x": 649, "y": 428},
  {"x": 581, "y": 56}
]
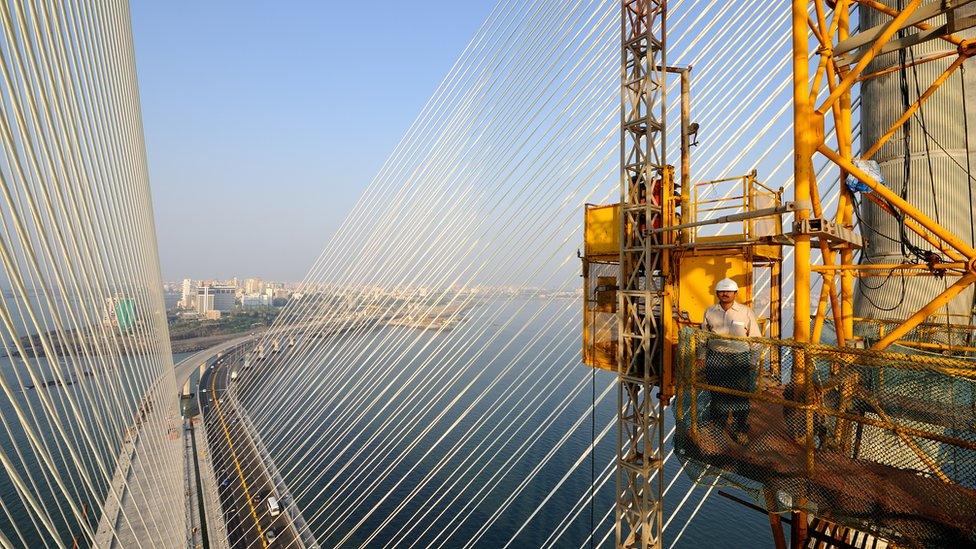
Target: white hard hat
[{"x": 726, "y": 285}]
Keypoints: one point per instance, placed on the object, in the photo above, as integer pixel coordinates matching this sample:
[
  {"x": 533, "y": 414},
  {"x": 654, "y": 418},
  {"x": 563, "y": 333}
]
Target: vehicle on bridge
[{"x": 273, "y": 508}]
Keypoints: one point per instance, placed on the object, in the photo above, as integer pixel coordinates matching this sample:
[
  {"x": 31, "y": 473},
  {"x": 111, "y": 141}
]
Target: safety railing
[
  {"x": 867, "y": 436},
  {"x": 946, "y": 336},
  {"x": 736, "y": 196}
]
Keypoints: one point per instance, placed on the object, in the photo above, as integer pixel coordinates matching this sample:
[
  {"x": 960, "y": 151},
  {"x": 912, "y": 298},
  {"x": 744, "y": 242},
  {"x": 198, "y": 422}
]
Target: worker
[{"x": 729, "y": 363}]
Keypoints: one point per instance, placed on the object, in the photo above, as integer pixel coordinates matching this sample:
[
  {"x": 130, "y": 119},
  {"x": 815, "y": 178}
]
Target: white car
[{"x": 273, "y": 506}]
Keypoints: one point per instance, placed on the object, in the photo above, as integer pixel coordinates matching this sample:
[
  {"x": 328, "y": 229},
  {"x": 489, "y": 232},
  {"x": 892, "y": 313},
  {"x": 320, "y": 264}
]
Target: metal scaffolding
[
  {"x": 843, "y": 61},
  {"x": 643, "y": 302}
]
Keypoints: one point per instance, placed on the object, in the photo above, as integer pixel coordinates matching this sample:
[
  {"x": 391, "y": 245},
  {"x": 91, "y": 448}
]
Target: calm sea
[
  {"x": 486, "y": 446},
  {"x": 489, "y": 443},
  {"x": 99, "y": 395}
]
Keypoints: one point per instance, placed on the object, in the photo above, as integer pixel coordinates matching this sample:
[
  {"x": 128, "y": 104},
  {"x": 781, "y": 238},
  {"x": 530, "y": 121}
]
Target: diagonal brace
[
  {"x": 915, "y": 106},
  {"x": 894, "y": 26},
  {"x": 898, "y": 202},
  {"x": 922, "y": 314}
]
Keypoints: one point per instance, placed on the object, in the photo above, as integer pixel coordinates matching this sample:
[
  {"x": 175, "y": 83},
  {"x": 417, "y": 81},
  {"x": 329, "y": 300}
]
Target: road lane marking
[{"x": 237, "y": 463}]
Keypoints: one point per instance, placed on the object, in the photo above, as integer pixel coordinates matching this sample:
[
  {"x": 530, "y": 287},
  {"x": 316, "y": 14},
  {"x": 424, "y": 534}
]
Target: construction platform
[{"x": 890, "y": 451}]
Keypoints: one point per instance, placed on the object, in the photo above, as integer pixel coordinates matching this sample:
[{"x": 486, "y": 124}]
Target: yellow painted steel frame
[
  {"x": 866, "y": 358},
  {"x": 829, "y": 30},
  {"x": 809, "y": 139}
]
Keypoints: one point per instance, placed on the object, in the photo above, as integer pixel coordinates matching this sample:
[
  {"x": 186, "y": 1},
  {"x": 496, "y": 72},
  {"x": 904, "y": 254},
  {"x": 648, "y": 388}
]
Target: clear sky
[{"x": 265, "y": 120}]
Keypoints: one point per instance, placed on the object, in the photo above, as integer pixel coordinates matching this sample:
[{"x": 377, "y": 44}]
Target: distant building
[
  {"x": 188, "y": 295},
  {"x": 119, "y": 312},
  {"x": 249, "y": 301},
  {"x": 215, "y": 298},
  {"x": 253, "y": 286},
  {"x": 225, "y": 298},
  {"x": 212, "y": 315}
]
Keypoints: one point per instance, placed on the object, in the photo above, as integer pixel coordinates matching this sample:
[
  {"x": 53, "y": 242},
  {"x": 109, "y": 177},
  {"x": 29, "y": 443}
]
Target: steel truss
[
  {"x": 842, "y": 62},
  {"x": 644, "y": 308},
  {"x": 843, "y": 59}
]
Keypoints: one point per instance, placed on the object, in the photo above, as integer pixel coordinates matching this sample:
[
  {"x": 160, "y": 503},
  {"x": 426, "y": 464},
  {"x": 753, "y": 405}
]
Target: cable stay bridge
[{"x": 445, "y": 377}]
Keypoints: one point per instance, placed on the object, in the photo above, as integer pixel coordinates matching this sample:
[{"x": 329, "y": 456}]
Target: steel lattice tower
[{"x": 644, "y": 192}]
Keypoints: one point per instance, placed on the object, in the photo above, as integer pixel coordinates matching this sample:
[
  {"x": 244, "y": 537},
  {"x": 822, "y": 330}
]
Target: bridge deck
[
  {"x": 126, "y": 520},
  {"x": 134, "y": 477},
  {"x": 216, "y": 525}
]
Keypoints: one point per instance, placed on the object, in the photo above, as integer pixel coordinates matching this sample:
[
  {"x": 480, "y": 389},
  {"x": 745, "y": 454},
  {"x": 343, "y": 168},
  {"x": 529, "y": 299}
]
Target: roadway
[
  {"x": 186, "y": 367},
  {"x": 140, "y": 461},
  {"x": 244, "y": 483}
]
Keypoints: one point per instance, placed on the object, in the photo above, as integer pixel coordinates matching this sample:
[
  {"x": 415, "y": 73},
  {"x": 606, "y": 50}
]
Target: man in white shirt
[{"x": 729, "y": 363}]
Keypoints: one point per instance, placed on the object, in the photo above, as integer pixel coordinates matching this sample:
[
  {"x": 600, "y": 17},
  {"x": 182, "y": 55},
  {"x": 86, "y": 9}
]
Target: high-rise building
[
  {"x": 215, "y": 298},
  {"x": 253, "y": 286},
  {"x": 119, "y": 312},
  {"x": 188, "y": 296}
]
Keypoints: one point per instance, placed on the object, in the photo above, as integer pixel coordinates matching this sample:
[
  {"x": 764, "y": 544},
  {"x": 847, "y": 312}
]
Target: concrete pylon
[{"x": 934, "y": 158}]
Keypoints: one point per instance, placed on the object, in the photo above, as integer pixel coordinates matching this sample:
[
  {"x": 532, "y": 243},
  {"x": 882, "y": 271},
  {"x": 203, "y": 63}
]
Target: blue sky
[{"x": 265, "y": 120}]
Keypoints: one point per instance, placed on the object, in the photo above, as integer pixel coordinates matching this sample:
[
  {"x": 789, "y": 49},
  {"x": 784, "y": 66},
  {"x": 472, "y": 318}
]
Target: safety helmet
[{"x": 726, "y": 285}]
